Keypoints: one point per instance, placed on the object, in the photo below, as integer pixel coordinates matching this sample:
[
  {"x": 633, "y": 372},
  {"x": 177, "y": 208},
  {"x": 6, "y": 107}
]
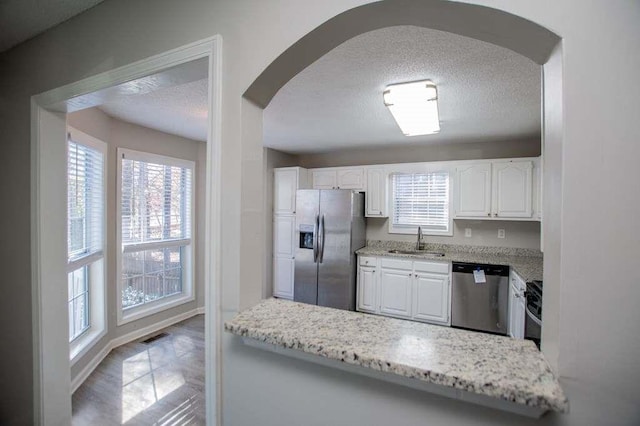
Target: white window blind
[
  {"x": 421, "y": 199},
  {"x": 156, "y": 202},
  {"x": 85, "y": 201}
]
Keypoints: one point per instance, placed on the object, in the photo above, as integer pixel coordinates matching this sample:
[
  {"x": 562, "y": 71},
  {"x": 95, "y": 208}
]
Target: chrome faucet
[{"x": 420, "y": 245}]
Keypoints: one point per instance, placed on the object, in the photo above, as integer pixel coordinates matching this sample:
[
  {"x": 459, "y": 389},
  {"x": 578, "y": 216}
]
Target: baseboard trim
[
  {"x": 200, "y": 310},
  {"x": 124, "y": 339}
]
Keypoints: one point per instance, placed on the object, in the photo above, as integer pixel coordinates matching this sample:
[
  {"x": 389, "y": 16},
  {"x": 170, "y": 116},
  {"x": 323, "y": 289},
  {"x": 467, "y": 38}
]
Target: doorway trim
[{"x": 52, "y": 384}]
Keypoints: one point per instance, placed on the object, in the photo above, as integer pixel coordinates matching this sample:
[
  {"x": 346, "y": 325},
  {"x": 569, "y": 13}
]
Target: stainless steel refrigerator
[{"x": 330, "y": 228}]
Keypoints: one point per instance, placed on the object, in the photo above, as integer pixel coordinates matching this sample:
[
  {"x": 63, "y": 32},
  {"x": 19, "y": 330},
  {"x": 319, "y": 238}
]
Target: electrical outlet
[
  {"x": 500, "y": 233},
  {"x": 467, "y": 232}
]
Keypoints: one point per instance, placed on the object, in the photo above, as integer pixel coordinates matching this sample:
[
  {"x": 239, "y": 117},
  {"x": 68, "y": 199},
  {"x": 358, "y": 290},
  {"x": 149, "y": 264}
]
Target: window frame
[
  {"x": 95, "y": 262},
  {"x": 126, "y": 315},
  {"x": 420, "y": 169}
]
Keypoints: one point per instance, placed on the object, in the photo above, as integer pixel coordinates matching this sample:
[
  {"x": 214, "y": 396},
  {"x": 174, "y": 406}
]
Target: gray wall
[
  {"x": 117, "y": 134},
  {"x": 598, "y": 344},
  {"x": 419, "y": 153}
]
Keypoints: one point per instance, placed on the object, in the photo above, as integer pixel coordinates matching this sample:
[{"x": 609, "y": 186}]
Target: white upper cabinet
[
  {"x": 287, "y": 181},
  {"x": 325, "y": 179},
  {"x": 473, "y": 190},
  {"x": 512, "y": 189},
  {"x": 339, "y": 178},
  {"x": 496, "y": 190},
  {"x": 352, "y": 178},
  {"x": 376, "y": 192}
]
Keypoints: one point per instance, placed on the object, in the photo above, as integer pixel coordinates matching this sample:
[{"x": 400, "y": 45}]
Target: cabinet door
[
  {"x": 395, "y": 292},
  {"x": 512, "y": 189},
  {"x": 283, "y": 270},
  {"x": 324, "y": 179},
  {"x": 351, "y": 178},
  {"x": 367, "y": 290},
  {"x": 376, "y": 192},
  {"x": 285, "y": 186},
  {"x": 473, "y": 190},
  {"x": 284, "y": 229},
  {"x": 431, "y": 298}
]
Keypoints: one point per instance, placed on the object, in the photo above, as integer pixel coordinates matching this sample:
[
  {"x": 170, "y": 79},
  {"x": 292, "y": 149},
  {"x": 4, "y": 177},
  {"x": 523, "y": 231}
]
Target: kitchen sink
[{"x": 418, "y": 252}]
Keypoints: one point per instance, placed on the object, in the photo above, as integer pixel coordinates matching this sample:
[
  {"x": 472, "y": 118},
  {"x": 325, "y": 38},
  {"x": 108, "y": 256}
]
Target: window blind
[
  {"x": 421, "y": 199},
  {"x": 85, "y": 201},
  {"x": 156, "y": 202}
]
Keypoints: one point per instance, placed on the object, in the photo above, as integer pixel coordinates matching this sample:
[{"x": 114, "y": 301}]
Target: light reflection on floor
[
  {"x": 144, "y": 384},
  {"x": 161, "y": 383}
]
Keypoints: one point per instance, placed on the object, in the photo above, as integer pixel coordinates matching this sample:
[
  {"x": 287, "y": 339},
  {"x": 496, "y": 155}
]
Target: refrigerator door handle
[
  {"x": 315, "y": 239},
  {"x": 321, "y": 235}
]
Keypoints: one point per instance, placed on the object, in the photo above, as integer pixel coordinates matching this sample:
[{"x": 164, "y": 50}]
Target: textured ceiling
[
  {"x": 21, "y": 20},
  {"x": 179, "y": 110},
  {"x": 485, "y": 93}
]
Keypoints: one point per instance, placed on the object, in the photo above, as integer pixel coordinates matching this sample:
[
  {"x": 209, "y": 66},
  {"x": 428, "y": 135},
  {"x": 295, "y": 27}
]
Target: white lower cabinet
[
  {"x": 367, "y": 289},
  {"x": 283, "y": 270},
  {"x": 395, "y": 292},
  {"x": 404, "y": 289},
  {"x": 284, "y": 232},
  {"x": 431, "y": 297},
  {"x": 517, "y": 306}
]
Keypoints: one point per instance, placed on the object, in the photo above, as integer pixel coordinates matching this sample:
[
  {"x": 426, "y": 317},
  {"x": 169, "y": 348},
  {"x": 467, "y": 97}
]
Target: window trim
[
  {"x": 413, "y": 229},
  {"x": 188, "y": 278},
  {"x": 81, "y": 345}
]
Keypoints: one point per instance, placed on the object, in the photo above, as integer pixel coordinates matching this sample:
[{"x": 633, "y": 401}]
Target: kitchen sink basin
[{"x": 418, "y": 252}]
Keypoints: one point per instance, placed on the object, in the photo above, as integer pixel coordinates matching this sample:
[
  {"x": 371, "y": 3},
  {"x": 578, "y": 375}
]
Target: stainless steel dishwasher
[{"x": 478, "y": 305}]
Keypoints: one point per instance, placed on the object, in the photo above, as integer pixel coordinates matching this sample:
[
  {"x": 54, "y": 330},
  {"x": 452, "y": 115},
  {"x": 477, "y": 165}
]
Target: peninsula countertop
[
  {"x": 526, "y": 262},
  {"x": 495, "y": 366}
]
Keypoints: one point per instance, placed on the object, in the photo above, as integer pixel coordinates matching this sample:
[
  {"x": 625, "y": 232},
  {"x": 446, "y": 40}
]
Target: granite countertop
[
  {"x": 526, "y": 262},
  {"x": 496, "y": 366}
]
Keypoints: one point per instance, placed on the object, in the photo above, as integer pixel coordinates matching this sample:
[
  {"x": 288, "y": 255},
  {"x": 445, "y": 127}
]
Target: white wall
[
  {"x": 598, "y": 345},
  {"x": 119, "y": 134}
]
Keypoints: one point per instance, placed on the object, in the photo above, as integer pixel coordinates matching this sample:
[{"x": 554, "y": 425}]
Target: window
[
  {"x": 85, "y": 239},
  {"x": 156, "y": 199},
  {"x": 420, "y": 199}
]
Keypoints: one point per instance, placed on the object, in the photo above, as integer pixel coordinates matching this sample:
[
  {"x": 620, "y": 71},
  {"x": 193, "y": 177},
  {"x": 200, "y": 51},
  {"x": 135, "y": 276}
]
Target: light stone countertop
[
  {"x": 495, "y": 366},
  {"x": 526, "y": 262}
]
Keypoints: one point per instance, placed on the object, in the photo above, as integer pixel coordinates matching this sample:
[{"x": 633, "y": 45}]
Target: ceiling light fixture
[{"x": 414, "y": 106}]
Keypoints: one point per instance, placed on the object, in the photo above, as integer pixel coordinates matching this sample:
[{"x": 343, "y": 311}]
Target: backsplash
[
  {"x": 518, "y": 234},
  {"x": 404, "y": 245}
]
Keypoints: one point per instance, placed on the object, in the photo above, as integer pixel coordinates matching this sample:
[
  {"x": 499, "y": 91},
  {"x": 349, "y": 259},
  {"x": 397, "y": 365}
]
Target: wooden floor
[{"x": 159, "y": 383}]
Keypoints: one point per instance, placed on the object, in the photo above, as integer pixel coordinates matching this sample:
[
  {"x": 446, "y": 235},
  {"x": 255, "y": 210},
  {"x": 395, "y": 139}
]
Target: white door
[
  {"x": 395, "y": 292},
  {"x": 473, "y": 190},
  {"x": 284, "y": 228},
  {"x": 283, "y": 270},
  {"x": 367, "y": 290},
  {"x": 431, "y": 298},
  {"x": 351, "y": 178},
  {"x": 512, "y": 189},
  {"x": 285, "y": 186},
  {"x": 376, "y": 194},
  {"x": 324, "y": 179}
]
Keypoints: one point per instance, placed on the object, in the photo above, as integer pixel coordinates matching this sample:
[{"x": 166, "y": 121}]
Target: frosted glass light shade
[{"x": 414, "y": 106}]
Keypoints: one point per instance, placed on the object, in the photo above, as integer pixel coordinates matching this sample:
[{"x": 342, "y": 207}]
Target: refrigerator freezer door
[
  {"x": 336, "y": 273},
  {"x": 305, "y": 284}
]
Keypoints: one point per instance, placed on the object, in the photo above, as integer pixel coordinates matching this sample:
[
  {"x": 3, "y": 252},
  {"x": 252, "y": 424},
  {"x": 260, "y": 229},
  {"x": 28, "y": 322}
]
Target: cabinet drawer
[
  {"x": 396, "y": 264},
  {"x": 367, "y": 261},
  {"x": 435, "y": 267}
]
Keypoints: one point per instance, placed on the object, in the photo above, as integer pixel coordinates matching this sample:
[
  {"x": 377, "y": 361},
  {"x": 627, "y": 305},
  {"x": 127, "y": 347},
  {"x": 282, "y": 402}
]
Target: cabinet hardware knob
[{"x": 489, "y": 214}]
